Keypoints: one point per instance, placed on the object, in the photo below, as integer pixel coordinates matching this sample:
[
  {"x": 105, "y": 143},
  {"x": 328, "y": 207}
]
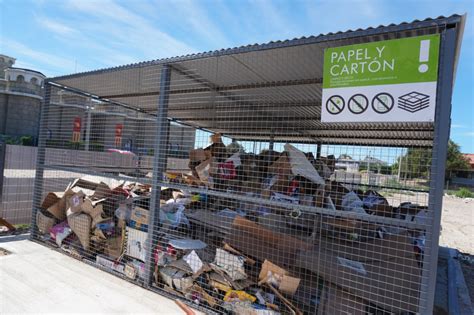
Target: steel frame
[{"x": 441, "y": 137}]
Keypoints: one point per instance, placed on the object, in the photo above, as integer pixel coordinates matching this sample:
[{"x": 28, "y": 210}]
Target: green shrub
[
  {"x": 464, "y": 193},
  {"x": 94, "y": 146},
  {"x": 26, "y": 140}
]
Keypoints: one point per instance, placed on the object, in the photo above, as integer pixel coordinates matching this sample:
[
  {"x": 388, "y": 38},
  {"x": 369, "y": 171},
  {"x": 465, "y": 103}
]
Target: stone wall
[{"x": 19, "y": 115}]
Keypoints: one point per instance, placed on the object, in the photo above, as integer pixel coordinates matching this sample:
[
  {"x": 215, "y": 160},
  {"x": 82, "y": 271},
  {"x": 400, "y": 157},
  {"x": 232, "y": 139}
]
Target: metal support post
[
  {"x": 40, "y": 158},
  {"x": 272, "y": 141},
  {"x": 88, "y": 127},
  {"x": 3, "y": 149},
  {"x": 159, "y": 167},
  {"x": 318, "y": 150},
  {"x": 438, "y": 167}
]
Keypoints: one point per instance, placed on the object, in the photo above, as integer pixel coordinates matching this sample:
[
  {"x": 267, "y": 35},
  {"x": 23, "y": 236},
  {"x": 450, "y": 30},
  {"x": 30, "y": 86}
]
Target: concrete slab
[{"x": 35, "y": 279}]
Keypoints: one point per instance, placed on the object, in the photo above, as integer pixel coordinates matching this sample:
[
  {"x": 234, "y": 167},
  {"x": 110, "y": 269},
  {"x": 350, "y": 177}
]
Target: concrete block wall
[{"x": 19, "y": 174}]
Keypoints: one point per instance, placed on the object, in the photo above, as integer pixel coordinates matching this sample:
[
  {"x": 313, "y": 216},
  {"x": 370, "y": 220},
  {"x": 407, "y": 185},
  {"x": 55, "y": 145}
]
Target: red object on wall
[
  {"x": 77, "y": 124},
  {"x": 76, "y": 129},
  {"x": 118, "y": 135},
  {"x": 118, "y": 130}
]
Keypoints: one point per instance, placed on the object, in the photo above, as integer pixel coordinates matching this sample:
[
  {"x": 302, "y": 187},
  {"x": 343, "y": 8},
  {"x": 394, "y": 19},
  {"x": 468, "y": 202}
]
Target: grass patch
[
  {"x": 386, "y": 193},
  {"x": 403, "y": 189},
  {"x": 461, "y": 193},
  {"x": 22, "y": 226}
]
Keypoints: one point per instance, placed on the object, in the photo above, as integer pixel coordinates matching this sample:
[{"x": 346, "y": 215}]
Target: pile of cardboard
[
  {"x": 92, "y": 218},
  {"x": 283, "y": 248},
  {"x": 341, "y": 263},
  {"x": 218, "y": 277}
]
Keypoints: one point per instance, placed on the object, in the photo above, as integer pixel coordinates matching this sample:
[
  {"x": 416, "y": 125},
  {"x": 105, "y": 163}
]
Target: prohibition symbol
[
  {"x": 382, "y": 103},
  {"x": 335, "y": 104},
  {"x": 358, "y": 103}
]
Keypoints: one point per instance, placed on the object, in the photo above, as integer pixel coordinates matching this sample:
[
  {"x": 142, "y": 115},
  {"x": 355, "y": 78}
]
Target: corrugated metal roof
[
  {"x": 440, "y": 20},
  {"x": 250, "y": 92}
]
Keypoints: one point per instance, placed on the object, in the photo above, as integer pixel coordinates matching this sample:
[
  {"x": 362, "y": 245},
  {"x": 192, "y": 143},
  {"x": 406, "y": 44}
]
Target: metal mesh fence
[{"x": 215, "y": 181}]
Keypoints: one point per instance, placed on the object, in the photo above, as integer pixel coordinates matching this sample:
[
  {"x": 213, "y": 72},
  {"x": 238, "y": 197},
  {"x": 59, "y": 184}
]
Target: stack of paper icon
[{"x": 413, "y": 101}]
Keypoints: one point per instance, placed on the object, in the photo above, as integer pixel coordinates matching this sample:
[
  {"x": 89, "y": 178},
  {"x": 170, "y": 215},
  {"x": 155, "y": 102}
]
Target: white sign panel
[{"x": 388, "y": 81}]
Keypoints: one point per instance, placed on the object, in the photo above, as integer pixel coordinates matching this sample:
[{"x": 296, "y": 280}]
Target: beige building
[{"x": 21, "y": 93}]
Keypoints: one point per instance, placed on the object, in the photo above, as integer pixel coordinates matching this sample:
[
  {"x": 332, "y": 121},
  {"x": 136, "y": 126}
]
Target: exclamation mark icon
[{"x": 424, "y": 55}]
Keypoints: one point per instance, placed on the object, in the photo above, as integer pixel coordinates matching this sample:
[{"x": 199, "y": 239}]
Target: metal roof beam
[{"x": 210, "y": 87}]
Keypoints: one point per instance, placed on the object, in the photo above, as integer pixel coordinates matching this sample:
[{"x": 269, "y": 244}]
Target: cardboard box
[
  {"x": 139, "y": 218},
  {"x": 285, "y": 282},
  {"x": 74, "y": 202},
  {"x": 114, "y": 246},
  {"x": 110, "y": 264},
  {"x": 95, "y": 187},
  {"x": 198, "y": 155},
  {"x": 136, "y": 243},
  {"x": 255, "y": 240},
  {"x": 176, "y": 279},
  {"x": 281, "y": 166}
]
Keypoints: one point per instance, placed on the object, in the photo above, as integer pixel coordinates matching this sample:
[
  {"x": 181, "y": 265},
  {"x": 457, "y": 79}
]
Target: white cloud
[
  {"x": 458, "y": 126},
  {"x": 127, "y": 29},
  {"x": 274, "y": 19},
  {"x": 200, "y": 22},
  {"x": 334, "y": 16},
  {"x": 55, "y": 26},
  {"x": 56, "y": 64}
]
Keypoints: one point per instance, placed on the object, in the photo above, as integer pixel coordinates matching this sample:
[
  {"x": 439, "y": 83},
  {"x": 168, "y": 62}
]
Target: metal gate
[{"x": 214, "y": 179}]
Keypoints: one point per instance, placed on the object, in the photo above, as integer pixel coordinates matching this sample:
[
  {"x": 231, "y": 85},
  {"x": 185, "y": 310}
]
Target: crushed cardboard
[
  {"x": 56, "y": 204},
  {"x": 279, "y": 248},
  {"x": 333, "y": 300},
  {"x": 231, "y": 264},
  {"x": 80, "y": 224},
  {"x": 44, "y": 221},
  {"x": 393, "y": 274}
]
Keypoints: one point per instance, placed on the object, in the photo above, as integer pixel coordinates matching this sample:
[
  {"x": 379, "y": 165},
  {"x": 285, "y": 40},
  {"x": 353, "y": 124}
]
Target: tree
[
  {"x": 345, "y": 157},
  {"x": 417, "y": 162},
  {"x": 455, "y": 160}
]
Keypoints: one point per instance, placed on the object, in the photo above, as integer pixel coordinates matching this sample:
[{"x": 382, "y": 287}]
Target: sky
[{"x": 60, "y": 37}]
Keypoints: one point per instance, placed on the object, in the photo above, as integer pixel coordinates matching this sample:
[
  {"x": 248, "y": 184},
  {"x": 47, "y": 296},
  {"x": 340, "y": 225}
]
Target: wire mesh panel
[
  {"x": 213, "y": 180},
  {"x": 17, "y": 171},
  {"x": 96, "y": 163}
]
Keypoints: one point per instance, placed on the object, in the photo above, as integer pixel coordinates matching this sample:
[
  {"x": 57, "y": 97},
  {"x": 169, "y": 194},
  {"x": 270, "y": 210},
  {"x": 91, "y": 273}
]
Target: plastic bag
[
  {"x": 352, "y": 202},
  {"x": 173, "y": 214}
]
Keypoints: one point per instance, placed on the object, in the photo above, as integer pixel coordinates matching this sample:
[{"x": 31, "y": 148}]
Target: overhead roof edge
[
  {"x": 462, "y": 25},
  {"x": 416, "y": 24}
]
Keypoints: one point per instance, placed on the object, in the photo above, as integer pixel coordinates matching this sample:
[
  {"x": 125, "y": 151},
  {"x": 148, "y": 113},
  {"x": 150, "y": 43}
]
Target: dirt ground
[
  {"x": 457, "y": 231},
  {"x": 457, "y": 224},
  {"x": 457, "y": 220},
  {"x": 457, "y": 227}
]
